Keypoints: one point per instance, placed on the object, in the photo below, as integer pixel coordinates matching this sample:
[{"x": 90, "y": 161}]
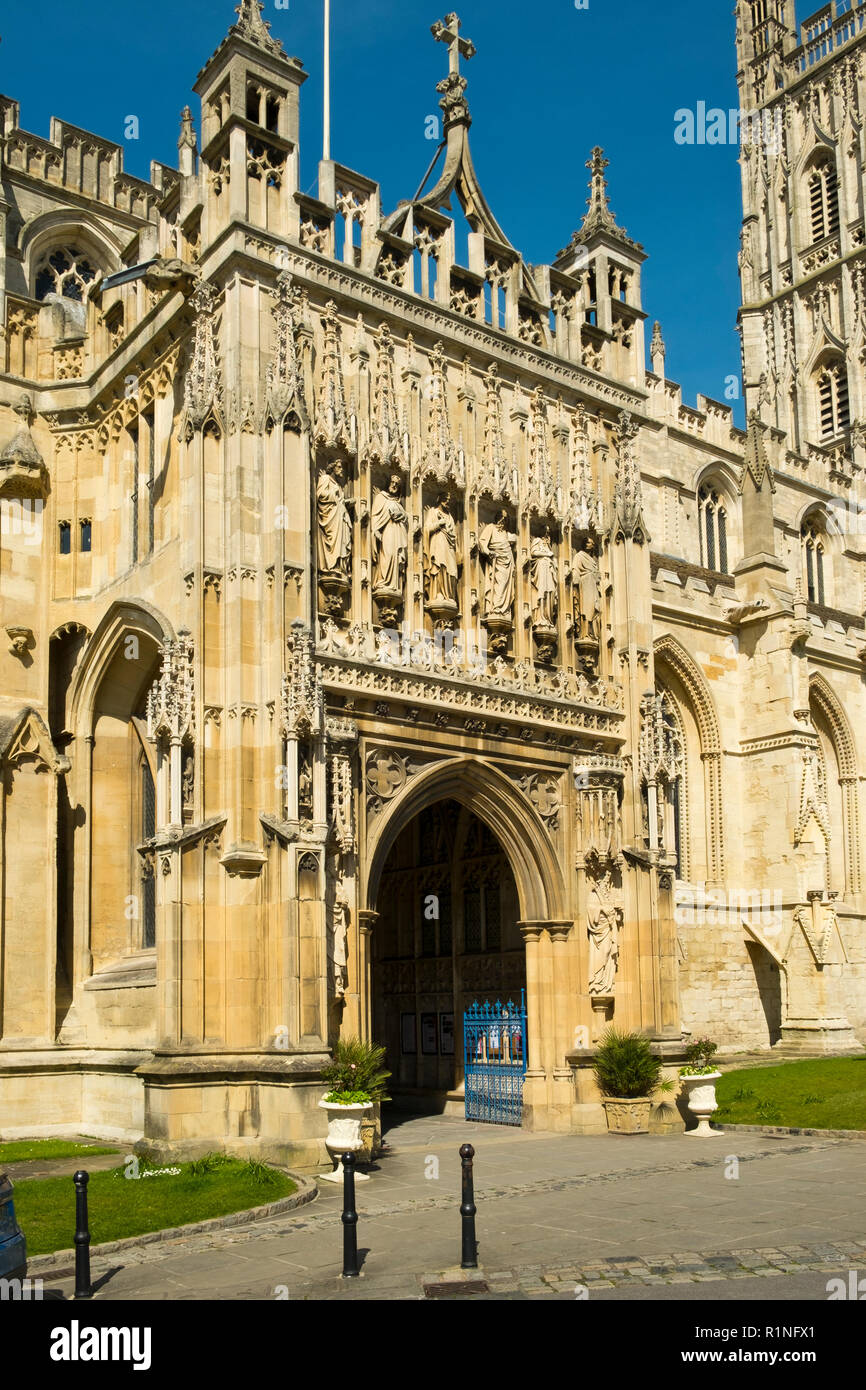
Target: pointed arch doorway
[{"x": 446, "y": 936}]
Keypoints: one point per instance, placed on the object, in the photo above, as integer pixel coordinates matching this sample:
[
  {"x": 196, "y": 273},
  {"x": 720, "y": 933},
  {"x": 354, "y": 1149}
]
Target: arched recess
[
  {"x": 837, "y": 740},
  {"x": 56, "y": 229},
  {"x": 111, "y": 911},
  {"x": 682, "y": 677},
  {"x": 125, "y": 618},
  {"x": 487, "y": 792}
]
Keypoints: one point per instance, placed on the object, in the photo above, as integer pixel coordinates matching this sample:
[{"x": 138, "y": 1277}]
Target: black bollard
[
  {"x": 469, "y": 1258},
  {"x": 82, "y": 1237},
  {"x": 350, "y": 1219}
]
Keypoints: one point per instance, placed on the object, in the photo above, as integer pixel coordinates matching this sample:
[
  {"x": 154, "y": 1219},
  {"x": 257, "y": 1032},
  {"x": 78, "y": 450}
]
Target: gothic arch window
[
  {"x": 65, "y": 271},
  {"x": 823, "y": 193},
  {"x": 713, "y": 516},
  {"x": 813, "y": 539},
  {"x": 833, "y": 408},
  {"x": 836, "y": 783},
  {"x": 688, "y": 704}
]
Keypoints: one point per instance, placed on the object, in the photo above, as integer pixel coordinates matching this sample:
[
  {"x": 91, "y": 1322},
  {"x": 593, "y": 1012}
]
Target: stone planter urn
[
  {"x": 344, "y": 1136},
  {"x": 627, "y": 1116},
  {"x": 701, "y": 1100},
  {"x": 371, "y": 1134}
]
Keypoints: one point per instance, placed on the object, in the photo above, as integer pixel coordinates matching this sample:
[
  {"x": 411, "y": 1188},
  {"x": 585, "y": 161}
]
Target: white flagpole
[{"x": 326, "y": 125}]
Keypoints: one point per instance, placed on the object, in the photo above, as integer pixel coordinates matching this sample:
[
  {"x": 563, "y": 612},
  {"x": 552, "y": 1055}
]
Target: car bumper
[{"x": 13, "y": 1258}]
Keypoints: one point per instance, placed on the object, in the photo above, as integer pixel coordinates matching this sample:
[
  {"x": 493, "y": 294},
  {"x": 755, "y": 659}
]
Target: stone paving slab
[{"x": 611, "y": 1212}]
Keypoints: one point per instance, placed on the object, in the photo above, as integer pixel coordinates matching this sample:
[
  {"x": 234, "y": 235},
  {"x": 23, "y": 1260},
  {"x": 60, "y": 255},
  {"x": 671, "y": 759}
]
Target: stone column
[
  {"x": 367, "y": 920},
  {"x": 563, "y": 1083},
  {"x": 292, "y": 812},
  {"x": 535, "y": 1097},
  {"x": 176, "y": 814},
  {"x": 531, "y": 933}
]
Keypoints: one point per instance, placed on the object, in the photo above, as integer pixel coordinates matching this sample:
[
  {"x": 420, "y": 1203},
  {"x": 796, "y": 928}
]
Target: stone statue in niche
[
  {"x": 305, "y": 785},
  {"x": 440, "y": 558},
  {"x": 603, "y": 917},
  {"x": 334, "y": 521},
  {"x": 542, "y": 573},
  {"x": 188, "y": 782},
  {"x": 588, "y": 583},
  {"x": 389, "y": 524},
  {"x": 496, "y": 548},
  {"x": 340, "y": 941}
]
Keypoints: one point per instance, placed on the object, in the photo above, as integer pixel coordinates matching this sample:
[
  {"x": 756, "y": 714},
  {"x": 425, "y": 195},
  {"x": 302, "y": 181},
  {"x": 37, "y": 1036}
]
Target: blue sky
[{"x": 548, "y": 82}]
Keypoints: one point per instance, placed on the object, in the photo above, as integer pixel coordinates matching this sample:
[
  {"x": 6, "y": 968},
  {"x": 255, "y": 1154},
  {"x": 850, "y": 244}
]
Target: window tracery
[
  {"x": 65, "y": 271},
  {"x": 713, "y": 513},
  {"x": 814, "y": 544}
]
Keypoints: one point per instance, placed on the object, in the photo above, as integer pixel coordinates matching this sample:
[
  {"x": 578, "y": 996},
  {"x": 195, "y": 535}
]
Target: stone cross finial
[
  {"x": 251, "y": 25},
  {"x": 599, "y": 208},
  {"x": 447, "y": 30},
  {"x": 657, "y": 350}
]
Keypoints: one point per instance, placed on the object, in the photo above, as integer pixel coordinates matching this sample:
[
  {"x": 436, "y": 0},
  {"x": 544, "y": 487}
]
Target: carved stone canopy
[
  {"x": 22, "y": 468},
  {"x": 26, "y": 741}
]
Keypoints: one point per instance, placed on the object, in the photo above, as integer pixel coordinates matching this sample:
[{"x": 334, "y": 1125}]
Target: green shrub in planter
[
  {"x": 699, "y": 1058},
  {"x": 626, "y": 1067},
  {"x": 357, "y": 1066}
]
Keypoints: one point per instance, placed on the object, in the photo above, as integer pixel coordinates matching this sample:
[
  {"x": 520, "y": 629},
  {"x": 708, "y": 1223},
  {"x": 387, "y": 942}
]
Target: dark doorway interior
[{"x": 446, "y": 936}]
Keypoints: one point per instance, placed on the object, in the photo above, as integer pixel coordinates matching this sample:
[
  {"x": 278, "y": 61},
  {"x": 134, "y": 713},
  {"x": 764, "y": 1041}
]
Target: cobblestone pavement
[{"x": 609, "y": 1213}]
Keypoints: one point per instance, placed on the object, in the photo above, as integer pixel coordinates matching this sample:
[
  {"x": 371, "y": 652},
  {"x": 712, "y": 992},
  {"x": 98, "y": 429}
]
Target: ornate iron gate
[{"x": 494, "y": 1052}]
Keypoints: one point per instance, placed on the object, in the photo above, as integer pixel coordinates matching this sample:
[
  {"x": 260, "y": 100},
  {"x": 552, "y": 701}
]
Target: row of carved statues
[{"x": 390, "y": 528}]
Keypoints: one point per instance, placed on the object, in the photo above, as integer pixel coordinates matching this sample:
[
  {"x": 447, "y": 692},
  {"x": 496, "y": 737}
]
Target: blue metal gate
[{"x": 494, "y": 1052}]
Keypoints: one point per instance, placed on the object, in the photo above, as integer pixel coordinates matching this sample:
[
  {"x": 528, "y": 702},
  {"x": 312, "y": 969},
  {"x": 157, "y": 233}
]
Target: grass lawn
[
  {"x": 21, "y": 1150},
  {"x": 120, "y": 1207},
  {"x": 825, "y": 1093}
]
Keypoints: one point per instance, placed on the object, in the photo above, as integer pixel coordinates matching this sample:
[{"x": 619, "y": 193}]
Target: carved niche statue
[
  {"x": 390, "y": 541},
  {"x": 440, "y": 559},
  {"x": 603, "y": 917},
  {"x": 334, "y": 547},
  {"x": 545, "y": 598},
  {"x": 496, "y": 547},
  {"x": 335, "y": 523},
  {"x": 340, "y": 940},
  {"x": 587, "y": 578}
]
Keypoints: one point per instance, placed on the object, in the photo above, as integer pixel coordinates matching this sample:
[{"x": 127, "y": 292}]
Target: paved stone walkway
[{"x": 611, "y": 1213}]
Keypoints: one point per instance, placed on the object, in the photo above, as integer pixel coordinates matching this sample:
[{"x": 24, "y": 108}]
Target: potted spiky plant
[
  {"x": 699, "y": 1077},
  {"x": 628, "y": 1073},
  {"x": 356, "y": 1080}
]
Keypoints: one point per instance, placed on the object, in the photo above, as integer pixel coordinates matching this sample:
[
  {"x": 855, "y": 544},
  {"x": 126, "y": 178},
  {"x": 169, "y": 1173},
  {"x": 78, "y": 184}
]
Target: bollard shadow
[
  {"x": 95, "y": 1286},
  {"x": 105, "y": 1278}
]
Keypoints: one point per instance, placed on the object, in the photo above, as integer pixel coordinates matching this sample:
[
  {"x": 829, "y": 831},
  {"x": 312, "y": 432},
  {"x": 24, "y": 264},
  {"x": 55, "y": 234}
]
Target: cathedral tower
[{"x": 803, "y": 262}]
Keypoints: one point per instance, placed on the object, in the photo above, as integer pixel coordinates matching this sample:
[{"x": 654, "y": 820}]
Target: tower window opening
[
  {"x": 833, "y": 405},
  {"x": 814, "y": 546},
  {"x": 823, "y": 202},
  {"x": 713, "y": 529}
]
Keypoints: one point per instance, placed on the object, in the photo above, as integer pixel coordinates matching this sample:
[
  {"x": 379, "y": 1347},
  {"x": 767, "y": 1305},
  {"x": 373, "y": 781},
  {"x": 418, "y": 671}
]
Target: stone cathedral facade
[{"x": 379, "y": 634}]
